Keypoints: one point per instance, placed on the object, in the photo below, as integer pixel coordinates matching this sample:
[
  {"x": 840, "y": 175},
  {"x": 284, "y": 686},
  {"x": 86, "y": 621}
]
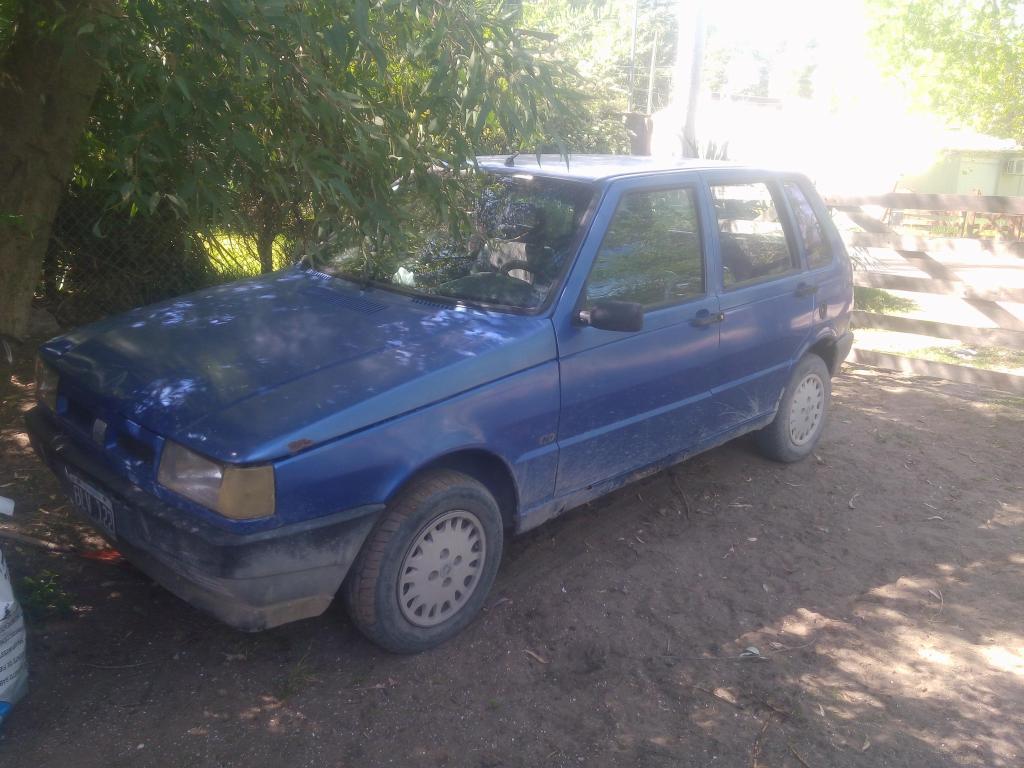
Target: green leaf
[
  {"x": 305, "y": 112},
  {"x": 183, "y": 87}
]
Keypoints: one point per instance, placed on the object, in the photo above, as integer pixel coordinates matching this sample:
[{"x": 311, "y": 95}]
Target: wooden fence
[{"x": 1004, "y": 215}]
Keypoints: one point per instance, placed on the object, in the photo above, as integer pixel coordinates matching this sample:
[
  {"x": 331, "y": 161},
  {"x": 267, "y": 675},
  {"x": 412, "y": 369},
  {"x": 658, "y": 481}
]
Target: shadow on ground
[{"x": 880, "y": 583}]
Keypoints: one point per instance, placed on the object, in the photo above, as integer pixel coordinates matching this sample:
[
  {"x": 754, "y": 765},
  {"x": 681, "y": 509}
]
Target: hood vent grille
[
  {"x": 431, "y": 303},
  {"x": 347, "y": 300}
]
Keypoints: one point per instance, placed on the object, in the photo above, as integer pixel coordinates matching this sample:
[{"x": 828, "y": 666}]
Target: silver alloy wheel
[
  {"x": 806, "y": 410},
  {"x": 442, "y": 568}
]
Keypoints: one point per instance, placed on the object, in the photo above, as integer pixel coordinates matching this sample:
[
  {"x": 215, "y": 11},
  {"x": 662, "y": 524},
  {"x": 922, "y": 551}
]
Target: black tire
[
  {"x": 777, "y": 441},
  {"x": 371, "y": 590}
]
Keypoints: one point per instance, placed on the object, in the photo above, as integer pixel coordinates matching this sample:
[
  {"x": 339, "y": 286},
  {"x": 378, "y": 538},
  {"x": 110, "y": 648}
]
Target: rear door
[
  {"x": 828, "y": 269},
  {"x": 630, "y": 399},
  {"x": 765, "y": 297}
]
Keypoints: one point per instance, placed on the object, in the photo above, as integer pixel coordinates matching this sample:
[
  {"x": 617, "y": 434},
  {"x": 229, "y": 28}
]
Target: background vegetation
[
  {"x": 962, "y": 58},
  {"x": 279, "y": 125},
  {"x": 153, "y": 146}
]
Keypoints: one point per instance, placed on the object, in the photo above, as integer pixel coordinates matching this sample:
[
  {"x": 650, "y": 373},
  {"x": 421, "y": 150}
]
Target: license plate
[{"x": 93, "y": 503}]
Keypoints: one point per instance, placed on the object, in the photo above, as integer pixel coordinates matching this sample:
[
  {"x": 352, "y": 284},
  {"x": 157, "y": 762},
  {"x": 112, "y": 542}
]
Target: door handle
[
  {"x": 704, "y": 318},
  {"x": 806, "y": 289}
]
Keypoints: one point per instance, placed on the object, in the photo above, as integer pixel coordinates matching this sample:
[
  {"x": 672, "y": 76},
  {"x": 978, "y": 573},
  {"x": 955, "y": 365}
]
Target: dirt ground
[{"x": 881, "y": 583}]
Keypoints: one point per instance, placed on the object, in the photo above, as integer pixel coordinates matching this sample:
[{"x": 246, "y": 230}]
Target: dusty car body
[{"x": 252, "y": 445}]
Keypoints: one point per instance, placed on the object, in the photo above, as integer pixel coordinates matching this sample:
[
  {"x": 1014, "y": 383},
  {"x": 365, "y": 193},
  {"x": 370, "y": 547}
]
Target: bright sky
[
  {"x": 846, "y": 68},
  {"x": 858, "y": 134},
  {"x": 783, "y": 19}
]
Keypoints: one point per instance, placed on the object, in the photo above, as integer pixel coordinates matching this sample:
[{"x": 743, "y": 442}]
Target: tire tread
[
  {"x": 362, "y": 584},
  {"x": 773, "y": 441}
]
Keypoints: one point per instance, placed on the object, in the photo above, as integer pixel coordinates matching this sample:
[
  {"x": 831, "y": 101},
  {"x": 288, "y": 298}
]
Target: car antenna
[{"x": 510, "y": 161}]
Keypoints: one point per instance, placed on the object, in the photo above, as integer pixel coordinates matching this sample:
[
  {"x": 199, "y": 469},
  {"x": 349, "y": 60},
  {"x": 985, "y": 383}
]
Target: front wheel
[
  {"x": 802, "y": 413},
  {"x": 425, "y": 570}
]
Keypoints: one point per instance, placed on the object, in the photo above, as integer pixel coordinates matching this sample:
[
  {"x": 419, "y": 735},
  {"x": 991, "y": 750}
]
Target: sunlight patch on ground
[
  {"x": 15, "y": 442},
  {"x": 906, "y": 642},
  {"x": 1006, "y": 659}
]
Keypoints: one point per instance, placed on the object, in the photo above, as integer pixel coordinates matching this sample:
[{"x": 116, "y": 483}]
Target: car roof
[{"x": 596, "y": 167}]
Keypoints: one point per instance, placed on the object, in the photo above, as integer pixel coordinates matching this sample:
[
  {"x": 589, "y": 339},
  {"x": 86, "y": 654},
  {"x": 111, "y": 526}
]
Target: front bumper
[{"x": 249, "y": 581}]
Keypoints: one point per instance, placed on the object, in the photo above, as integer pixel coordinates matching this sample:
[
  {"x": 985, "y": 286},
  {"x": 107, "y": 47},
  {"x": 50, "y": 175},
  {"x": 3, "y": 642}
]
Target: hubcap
[
  {"x": 442, "y": 568},
  {"x": 807, "y": 408}
]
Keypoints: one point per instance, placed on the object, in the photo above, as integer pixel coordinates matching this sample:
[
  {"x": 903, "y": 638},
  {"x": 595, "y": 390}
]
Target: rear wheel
[
  {"x": 802, "y": 413},
  {"x": 426, "y": 569}
]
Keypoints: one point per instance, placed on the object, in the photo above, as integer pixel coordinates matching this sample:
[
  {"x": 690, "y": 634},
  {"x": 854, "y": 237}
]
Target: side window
[
  {"x": 752, "y": 238},
  {"x": 819, "y": 254},
  {"x": 651, "y": 253}
]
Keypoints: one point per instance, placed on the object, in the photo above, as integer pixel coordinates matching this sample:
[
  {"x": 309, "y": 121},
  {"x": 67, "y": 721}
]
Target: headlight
[
  {"x": 241, "y": 493},
  {"x": 46, "y": 385}
]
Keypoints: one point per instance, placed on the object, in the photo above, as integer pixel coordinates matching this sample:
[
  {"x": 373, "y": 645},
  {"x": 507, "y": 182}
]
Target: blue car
[{"x": 260, "y": 447}]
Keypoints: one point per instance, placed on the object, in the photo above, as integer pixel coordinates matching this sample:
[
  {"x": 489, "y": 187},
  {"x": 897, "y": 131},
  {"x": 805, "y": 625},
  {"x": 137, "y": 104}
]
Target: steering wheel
[{"x": 515, "y": 264}]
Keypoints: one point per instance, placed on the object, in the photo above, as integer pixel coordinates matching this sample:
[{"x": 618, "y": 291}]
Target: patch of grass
[
  {"x": 235, "y": 256},
  {"x": 43, "y": 597},
  {"x": 298, "y": 678},
  {"x": 991, "y": 358},
  {"x": 881, "y": 301},
  {"x": 1010, "y": 401}
]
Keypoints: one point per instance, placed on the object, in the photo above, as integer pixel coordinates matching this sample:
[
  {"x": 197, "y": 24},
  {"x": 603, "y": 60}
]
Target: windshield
[{"x": 511, "y": 248}]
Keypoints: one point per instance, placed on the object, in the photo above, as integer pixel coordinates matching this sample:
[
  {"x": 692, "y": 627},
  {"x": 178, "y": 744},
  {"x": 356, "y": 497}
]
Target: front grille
[
  {"x": 121, "y": 441},
  {"x": 136, "y": 449},
  {"x": 79, "y": 415}
]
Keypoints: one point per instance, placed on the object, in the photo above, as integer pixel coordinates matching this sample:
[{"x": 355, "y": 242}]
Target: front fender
[{"x": 514, "y": 419}]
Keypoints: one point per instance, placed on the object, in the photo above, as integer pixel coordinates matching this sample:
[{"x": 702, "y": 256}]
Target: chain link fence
[{"x": 100, "y": 262}]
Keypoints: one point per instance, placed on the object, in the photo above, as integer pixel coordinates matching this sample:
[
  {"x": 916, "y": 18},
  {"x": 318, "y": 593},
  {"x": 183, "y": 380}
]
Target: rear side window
[
  {"x": 651, "y": 253},
  {"x": 819, "y": 254},
  {"x": 753, "y": 241}
]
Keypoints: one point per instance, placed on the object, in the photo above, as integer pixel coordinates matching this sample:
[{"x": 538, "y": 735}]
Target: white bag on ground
[{"x": 13, "y": 671}]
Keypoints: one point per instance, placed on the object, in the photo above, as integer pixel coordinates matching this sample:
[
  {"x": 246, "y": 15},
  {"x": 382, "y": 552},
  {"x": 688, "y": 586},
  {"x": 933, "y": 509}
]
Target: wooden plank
[
  {"x": 961, "y": 245},
  {"x": 1007, "y": 382},
  {"x": 1013, "y": 206},
  {"x": 965, "y": 333},
  {"x": 868, "y": 279},
  {"x": 904, "y": 283},
  {"x": 869, "y": 223}
]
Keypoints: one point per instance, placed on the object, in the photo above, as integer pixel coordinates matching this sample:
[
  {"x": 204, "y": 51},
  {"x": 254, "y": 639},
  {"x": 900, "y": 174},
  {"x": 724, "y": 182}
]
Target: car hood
[{"x": 262, "y": 368}]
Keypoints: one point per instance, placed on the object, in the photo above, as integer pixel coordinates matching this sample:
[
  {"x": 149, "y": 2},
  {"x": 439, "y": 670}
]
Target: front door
[
  {"x": 630, "y": 399},
  {"x": 766, "y": 300}
]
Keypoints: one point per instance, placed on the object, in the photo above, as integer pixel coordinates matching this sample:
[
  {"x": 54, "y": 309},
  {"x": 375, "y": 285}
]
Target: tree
[
  {"x": 686, "y": 85},
  {"x": 242, "y": 115},
  {"x": 964, "y": 58},
  {"x": 595, "y": 36},
  {"x": 50, "y": 68}
]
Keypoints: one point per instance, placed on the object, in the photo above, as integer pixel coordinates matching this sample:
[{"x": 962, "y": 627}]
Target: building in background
[{"x": 972, "y": 163}]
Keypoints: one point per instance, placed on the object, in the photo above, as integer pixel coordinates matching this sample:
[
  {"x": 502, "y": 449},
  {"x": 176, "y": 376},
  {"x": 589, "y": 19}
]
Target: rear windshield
[{"x": 510, "y": 249}]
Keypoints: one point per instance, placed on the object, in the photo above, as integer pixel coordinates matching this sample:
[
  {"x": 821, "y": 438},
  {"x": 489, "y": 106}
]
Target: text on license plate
[{"x": 93, "y": 502}]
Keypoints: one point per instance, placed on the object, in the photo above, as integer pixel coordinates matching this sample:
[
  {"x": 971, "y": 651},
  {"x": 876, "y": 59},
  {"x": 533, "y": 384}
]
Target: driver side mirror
[{"x": 625, "y": 316}]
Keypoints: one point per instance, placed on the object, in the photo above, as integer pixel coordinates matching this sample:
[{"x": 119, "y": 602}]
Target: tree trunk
[
  {"x": 265, "y": 248},
  {"x": 48, "y": 79},
  {"x": 690, "y": 148},
  {"x": 686, "y": 81}
]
